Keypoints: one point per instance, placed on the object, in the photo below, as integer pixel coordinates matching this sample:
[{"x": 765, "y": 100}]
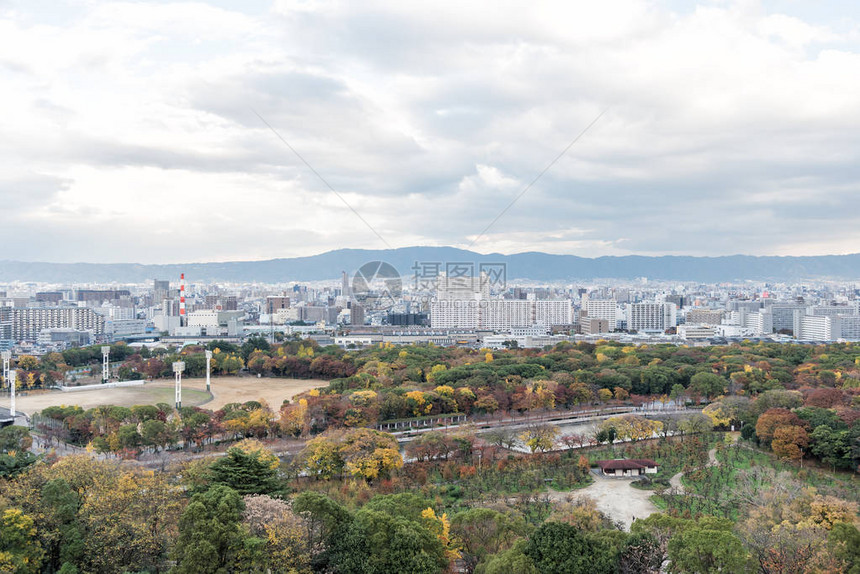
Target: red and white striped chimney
[{"x": 182, "y": 299}]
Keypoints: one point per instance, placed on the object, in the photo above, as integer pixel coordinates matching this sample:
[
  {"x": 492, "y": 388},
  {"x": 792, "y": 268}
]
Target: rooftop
[{"x": 626, "y": 464}]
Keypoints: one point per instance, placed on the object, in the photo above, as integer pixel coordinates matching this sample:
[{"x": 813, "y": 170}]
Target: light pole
[
  {"x": 105, "y": 364},
  {"x": 208, "y": 370},
  {"x": 12, "y": 376},
  {"x": 178, "y": 367},
  {"x": 6, "y": 356}
]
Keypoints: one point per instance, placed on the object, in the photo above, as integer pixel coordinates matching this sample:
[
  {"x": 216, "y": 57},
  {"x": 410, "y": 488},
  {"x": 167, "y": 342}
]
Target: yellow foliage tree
[
  {"x": 718, "y": 415},
  {"x": 441, "y": 527},
  {"x": 434, "y": 370}
]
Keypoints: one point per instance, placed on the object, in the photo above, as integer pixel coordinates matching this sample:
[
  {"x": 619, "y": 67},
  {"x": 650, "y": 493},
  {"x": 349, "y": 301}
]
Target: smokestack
[{"x": 182, "y": 300}]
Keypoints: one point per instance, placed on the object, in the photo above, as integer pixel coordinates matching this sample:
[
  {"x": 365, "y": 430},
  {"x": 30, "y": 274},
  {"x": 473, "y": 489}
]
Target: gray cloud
[{"x": 732, "y": 127}]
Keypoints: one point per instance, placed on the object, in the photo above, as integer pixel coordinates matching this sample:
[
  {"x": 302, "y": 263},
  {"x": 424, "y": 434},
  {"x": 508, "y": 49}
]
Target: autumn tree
[
  {"x": 540, "y": 437},
  {"x": 790, "y": 442},
  {"x": 20, "y": 550},
  {"x": 771, "y": 419},
  {"x": 361, "y": 452}
]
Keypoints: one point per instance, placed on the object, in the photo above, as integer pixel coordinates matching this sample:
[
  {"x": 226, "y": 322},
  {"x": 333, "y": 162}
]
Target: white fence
[{"x": 102, "y": 386}]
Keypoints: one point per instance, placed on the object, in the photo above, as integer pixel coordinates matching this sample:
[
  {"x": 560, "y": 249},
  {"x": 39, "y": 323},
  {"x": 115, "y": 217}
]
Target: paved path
[
  {"x": 675, "y": 481},
  {"x": 615, "y": 498}
]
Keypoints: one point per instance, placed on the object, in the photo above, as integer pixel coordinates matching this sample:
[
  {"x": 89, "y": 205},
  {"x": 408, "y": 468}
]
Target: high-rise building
[
  {"x": 345, "y": 291},
  {"x": 275, "y": 302},
  {"x": 651, "y": 316},
  {"x": 160, "y": 291},
  {"x": 606, "y": 309},
  {"x": 356, "y": 314}
]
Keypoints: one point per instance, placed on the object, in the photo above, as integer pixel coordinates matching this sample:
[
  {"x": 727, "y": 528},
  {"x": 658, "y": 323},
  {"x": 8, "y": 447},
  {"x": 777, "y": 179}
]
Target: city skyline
[{"x": 139, "y": 132}]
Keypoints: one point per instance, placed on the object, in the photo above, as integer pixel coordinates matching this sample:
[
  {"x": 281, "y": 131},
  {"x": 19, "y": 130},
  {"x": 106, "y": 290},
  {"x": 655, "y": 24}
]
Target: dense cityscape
[{"x": 464, "y": 310}]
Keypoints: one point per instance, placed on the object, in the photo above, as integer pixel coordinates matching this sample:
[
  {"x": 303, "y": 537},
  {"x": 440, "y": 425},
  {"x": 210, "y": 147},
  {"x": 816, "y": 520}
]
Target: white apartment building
[
  {"x": 819, "y": 328},
  {"x": 850, "y": 327},
  {"x": 27, "y": 323},
  {"x": 116, "y": 313},
  {"x": 761, "y": 323},
  {"x": 651, "y": 316},
  {"x": 693, "y": 332},
  {"x": 498, "y": 314},
  {"x": 553, "y": 312},
  {"x": 606, "y": 309},
  {"x": 831, "y": 310}
]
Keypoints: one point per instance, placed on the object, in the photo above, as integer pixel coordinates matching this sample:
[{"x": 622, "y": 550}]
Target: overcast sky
[{"x": 128, "y": 130}]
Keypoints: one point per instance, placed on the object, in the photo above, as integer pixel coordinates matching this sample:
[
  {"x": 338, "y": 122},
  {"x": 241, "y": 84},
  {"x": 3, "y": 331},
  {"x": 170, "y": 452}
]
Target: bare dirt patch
[
  {"x": 615, "y": 498},
  {"x": 224, "y": 390},
  {"x": 240, "y": 389}
]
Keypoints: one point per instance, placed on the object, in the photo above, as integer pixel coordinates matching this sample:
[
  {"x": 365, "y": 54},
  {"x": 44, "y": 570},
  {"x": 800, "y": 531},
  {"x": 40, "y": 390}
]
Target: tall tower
[
  {"x": 344, "y": 285},
  {"x": 182, "y": 317}
]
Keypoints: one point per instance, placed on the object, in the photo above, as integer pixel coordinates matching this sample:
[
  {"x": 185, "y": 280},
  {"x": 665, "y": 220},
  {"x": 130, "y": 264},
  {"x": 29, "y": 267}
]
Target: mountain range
[{"x": 530, "y": 265}]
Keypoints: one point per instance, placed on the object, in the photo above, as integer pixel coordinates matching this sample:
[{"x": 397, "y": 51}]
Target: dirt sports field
[{"x": 224, "y": 390}]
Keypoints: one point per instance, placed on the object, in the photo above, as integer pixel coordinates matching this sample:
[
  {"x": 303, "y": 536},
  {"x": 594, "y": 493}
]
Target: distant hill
[{"x": 531, "y": 265}]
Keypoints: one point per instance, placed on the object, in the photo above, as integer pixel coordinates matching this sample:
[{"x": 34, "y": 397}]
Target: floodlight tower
[
  {"x": 12, "y": 376},
  {"x": 178, "y": 367},
  {"x": 105, "y": 364},
  {"x": 6, "y": 356},
  {"x": 208, "y": 370}
]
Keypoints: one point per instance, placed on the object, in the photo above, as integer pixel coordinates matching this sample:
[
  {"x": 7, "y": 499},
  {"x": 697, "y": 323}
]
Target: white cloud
[{"x": 732, "y": 127}]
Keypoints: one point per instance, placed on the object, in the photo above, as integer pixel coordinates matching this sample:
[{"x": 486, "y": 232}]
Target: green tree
[
  {"x": 844, "y": 543},
  {"x": 708, "y": 384},
  {"x": 707, "y": 547},
  {"x": 15, "y": 438},
  {"x": 832, "y": 447},
  {"x": 210, "y": 539},
  {"x": 323, "y": 517},
  {"x": 484, "y": 531},
  {"x": 62, "y": 534},
  {"x": 378, "y": 543},
  {"x": 246, "y": 472},
  {"x": 559, "y": 548},
  {"x": 511, "y": 561}
]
